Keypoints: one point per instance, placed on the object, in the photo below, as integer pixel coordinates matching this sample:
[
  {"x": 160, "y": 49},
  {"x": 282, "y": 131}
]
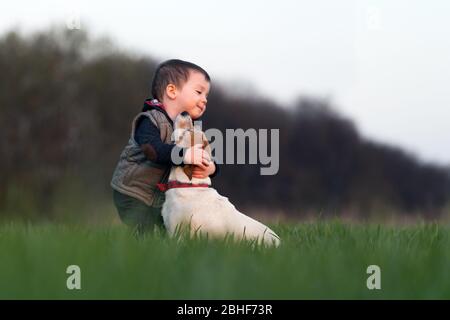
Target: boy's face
[{"x": 193, "y": 95}]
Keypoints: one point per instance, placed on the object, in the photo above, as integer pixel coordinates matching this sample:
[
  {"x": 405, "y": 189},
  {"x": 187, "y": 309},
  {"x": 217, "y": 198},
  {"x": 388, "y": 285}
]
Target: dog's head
[{"x": 187, "y": 135}]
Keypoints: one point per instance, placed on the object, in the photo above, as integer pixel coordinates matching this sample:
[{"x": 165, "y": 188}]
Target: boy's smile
[{"x": 193, "y": 95}]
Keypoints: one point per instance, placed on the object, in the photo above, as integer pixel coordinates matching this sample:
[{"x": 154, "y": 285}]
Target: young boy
[{"x": 178, "y": 86}]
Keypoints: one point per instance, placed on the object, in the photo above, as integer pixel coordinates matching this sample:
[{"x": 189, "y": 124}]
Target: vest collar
[{"x": 150, "y": 104}]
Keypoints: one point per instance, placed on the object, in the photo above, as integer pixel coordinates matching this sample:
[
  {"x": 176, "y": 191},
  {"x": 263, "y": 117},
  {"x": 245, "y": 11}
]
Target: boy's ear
[{"x": 171, "y": 91}]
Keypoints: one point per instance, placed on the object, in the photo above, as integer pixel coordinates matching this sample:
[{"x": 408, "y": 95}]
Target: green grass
[{"x": 321, "y": 260}]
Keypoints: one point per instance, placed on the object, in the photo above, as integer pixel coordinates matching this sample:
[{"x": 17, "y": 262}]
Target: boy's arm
[{"x": 148, "y": 137}]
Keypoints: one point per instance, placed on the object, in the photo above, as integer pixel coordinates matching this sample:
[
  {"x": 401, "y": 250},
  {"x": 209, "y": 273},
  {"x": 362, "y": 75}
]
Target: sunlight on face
[{"x": 193, "y": 95}]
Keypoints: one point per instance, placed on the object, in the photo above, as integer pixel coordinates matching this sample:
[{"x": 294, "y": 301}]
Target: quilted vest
[{"x": 137, "y": 176}]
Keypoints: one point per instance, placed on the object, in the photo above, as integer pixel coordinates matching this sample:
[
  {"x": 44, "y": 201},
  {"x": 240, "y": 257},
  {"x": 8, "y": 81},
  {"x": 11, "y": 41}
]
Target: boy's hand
[
  {"x": 197, "y": 156},
  {"x": 203, "y": 171}
]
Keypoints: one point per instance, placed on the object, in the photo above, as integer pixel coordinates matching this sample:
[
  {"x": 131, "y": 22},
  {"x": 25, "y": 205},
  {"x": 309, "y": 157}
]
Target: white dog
[{"x": 192, "y": 203}]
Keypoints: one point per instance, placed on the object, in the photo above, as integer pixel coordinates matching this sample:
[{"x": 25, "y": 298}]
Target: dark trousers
[{"x": 136, "y": 214}]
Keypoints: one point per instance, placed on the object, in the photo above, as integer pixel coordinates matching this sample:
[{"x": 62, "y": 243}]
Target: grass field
[{"x": 320, "y": 260}]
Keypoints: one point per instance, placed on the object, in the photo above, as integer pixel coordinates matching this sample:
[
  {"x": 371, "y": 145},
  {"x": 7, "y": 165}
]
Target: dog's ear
[
  {"x": 188, "y": 171},
  {"x": 177, "y": 135},
  {"x": 206, "y": 145}
]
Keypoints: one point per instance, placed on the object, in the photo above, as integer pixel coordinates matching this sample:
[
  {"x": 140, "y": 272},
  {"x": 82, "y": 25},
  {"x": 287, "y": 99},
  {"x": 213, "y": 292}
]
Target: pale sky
[{"x": 384, "y": 64}]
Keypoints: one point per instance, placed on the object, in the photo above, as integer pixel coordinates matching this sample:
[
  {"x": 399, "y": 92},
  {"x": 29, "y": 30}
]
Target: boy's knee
[
  {"x": 137, "y": 214},
  {"x": 142, "y": 218}
]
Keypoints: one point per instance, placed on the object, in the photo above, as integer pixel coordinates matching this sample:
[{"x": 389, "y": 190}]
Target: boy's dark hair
[{"x": 173, "y": 72}]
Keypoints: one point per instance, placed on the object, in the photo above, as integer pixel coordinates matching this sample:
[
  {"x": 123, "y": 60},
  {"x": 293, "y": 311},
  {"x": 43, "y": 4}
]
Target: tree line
[{"x": 66, "y": 105}]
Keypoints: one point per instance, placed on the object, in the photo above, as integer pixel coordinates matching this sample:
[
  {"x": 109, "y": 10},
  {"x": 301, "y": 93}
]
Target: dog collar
[{"x": 163, "y": 187}]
